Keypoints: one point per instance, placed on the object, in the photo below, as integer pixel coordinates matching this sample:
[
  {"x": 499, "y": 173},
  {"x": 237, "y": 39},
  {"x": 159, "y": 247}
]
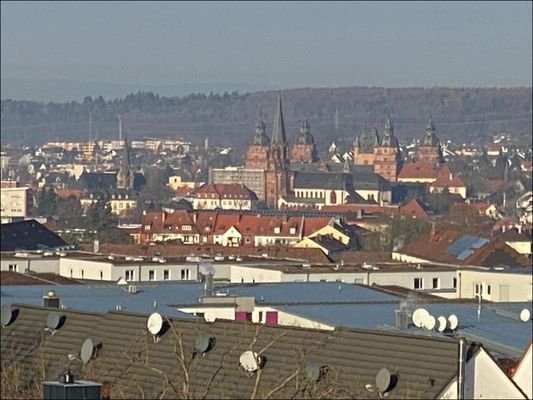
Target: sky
[{"x": 270, "y": 45}]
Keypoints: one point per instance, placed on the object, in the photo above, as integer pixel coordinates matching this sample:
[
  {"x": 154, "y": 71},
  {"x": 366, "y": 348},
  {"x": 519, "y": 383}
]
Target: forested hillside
[{"x": 461, "y": 114}]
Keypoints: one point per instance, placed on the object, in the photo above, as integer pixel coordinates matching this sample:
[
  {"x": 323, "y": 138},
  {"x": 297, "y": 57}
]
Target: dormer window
[
  {"x": 277, "y": 229},
  {"x": 186, "y": 227},
  {"x": 293, "y": 230}
]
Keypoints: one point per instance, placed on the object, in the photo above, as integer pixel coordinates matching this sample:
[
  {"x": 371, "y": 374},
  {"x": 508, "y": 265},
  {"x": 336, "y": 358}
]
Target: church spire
[
  {"x": 278, "y": 126},
  {"x": 389, "y": 128}
]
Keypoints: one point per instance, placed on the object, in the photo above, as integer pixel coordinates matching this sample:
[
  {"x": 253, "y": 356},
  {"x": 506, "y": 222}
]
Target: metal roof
[
  {"x": 465, "y": 246},
  {"x": 498, "y": 326}
]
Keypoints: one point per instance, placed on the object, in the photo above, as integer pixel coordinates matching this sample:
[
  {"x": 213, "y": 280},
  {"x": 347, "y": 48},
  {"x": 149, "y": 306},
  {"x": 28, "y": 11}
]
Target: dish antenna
[
  {"x": 250, "y": 361},
  {"x": 525, "y": 315},
  {"x": 419, "y": 315},
  {"x": 383, "y": 379},
  {"x": 429, "y": 322},
  {"x": 454, "y": 321},
  {"x": 87, "y": 350},
  {"x": 155, "y": 325},
  {"x": 8, "y": 315},
  {"x": 442, "y": 322},
  {"x": 53, "y": 322},
  {"x": 203, "y": 344},
  {"x": 315, "y": 371}
]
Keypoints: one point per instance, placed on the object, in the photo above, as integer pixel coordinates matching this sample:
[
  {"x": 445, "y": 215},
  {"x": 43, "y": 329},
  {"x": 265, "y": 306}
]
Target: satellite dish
[
  {"x": 8, "y": 315},
  {"x": 155, "y": 323},
  {"x": 315, "y": 371},
  {"x": 383, "y": 378},
  {"x": 452, "y": 319},
  {"x": 525, "y": 315},
  {"x": 442, "y": 322},
  {"x": 203, "y": 344},
  {"x": 250, "y": 361},
  {"x": 429, "y": 322},
  {"x": 53, "y": 320},
  {"x": 419, "y": 315},
  {"x": 87, "y": 351}
]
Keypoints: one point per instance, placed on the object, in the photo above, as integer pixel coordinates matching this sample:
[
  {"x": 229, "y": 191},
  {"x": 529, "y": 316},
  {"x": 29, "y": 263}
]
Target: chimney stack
[{"x": 51, "y": 300}]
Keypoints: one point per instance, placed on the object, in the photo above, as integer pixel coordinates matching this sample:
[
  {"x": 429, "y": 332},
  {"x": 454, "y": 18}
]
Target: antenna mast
[{"x": 119, "y": 127}]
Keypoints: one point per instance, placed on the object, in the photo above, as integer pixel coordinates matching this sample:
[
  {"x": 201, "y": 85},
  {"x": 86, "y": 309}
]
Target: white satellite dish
[
  {"x": 250, "y": 361},
  {"x": 419, "y": 315},
  {"x": 525, "y": 315},
  {"x": 155, "y": 323},
  {"x": 7, "y": 315},
  {"x": 87, "y": 351},
  {"x": 53, "y": 320},
  {"x": 429, "y": 322},
  {"x": 454, "y": 321},
  {"x": 383, "y": 378},
  {"x": 442, "y": 322}
]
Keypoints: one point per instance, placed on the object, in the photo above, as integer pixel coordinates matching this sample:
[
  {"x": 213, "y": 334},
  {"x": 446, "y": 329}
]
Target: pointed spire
[
  {"x": 430, "y": 127},
  {"x": 346, "y": 167},
  {"x": 389, "y": 128},
  {"x": 126, "y": 152},
  {"x": 278, "y": 126}
]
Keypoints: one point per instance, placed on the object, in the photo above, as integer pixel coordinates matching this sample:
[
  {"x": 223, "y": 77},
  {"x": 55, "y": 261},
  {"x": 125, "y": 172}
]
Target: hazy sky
[{"x": 279, "y": 45}]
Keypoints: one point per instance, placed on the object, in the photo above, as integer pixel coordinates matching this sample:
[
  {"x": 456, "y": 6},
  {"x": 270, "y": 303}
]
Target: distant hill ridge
[{"x": 464, "y": 114}]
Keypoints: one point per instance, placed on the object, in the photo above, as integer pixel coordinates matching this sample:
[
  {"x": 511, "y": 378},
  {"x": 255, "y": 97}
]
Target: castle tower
[
  {"x": 304, "y": 149},
  {"x": 277, "y": 174},
  {"x": 387, "y": 154},
  {"x": 364, "y": 145},
  {"x": 125, "y": 175},
  {"x": 257, "y": 155},
  {"x": 429, "y": 150}
]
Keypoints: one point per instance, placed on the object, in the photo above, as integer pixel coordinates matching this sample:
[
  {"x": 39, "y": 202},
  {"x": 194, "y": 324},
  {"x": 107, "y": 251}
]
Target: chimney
[
  {"x": 461, "y": 369},
  {"x": 433, "y": 232},
  {"x": 51, "y": 300},
  {"x": 96, "y": 246},
  {"x": 402, "y": 318},
  {"x": 163, "y": 216},
  {"x": 519, "y": 227},
  {"x": 503, "y": 228},
  {"x": 208, "y": 284}
]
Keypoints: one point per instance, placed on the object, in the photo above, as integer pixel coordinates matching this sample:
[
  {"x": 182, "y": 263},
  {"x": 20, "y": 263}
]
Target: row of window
[
  {"x": 129, "y": 274},
  {"x": 418, "y": 283}
]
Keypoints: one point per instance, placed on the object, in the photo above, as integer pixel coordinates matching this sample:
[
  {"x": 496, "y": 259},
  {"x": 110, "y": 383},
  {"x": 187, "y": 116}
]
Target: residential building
[
  {"x": 224, "y": 196},
  {"x": 15, "y": 203}
]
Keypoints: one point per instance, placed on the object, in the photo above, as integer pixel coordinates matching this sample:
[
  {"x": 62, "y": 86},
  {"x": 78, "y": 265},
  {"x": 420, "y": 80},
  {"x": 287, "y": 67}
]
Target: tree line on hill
[{"x": 338, "y": 114}]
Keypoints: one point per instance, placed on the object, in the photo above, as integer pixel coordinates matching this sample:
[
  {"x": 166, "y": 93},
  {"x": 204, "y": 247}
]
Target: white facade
[
  {"x": 498, "y": 286},
  {"x": 15, "y": 203},
  {"x": 484, "y": 380},
  {"x": 134, "y": 271},
  {"x": 523, "y": 376},
  {"x": 30, "y": 263}
]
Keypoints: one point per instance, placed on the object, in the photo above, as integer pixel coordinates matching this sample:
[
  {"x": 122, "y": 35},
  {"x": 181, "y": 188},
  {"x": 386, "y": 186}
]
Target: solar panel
[
  {"x": 479, "y": 243},
  {"x": 465, "y": 242},
  {"x": 463, "y": 255}
]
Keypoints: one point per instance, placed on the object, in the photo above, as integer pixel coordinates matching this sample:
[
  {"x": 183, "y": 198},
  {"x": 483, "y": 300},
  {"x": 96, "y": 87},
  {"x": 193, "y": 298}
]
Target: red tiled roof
[
  {"x": 65, "y": 193},
  {"x": 445, "y": 178},
  {"x": 225, "y": 190},
  {"x": 418, "y": 170},
  {"x": 413, "y": 208}
]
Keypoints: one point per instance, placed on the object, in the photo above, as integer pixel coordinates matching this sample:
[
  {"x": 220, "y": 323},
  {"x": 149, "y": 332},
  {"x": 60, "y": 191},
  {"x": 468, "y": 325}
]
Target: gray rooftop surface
[{"x": 498, "y": 327}]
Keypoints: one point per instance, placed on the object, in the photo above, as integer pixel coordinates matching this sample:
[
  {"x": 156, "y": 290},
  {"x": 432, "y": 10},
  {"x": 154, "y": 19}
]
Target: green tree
[{"x": 47, "y": 202}]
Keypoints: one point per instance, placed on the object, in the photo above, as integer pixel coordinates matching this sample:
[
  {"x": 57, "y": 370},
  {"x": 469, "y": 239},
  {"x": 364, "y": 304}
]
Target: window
[
  {"x": 477, "y": 289},
  {"x": 166, "y": 275},
  {"x": 82, "y": 273},
  {"x": 185, "y": 274},
  {"x": 151, "y": 275},
  {"x": 419, "y": 283},
  {"x": 455, "y": 283},
  {"x": 130, "y": 274},
  {"x": 488, "y": 290},
  {"x": 13, "y": 267},
  {"x": 333, "y": 197},
  {"x": 276, "y": 229},
  {"x": 101, "y": 275},
  {"x": 436, "y": 283},
  {"x": 71, "y": 273}
]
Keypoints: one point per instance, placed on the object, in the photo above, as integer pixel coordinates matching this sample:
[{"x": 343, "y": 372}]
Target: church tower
[
  {"x": 277, "y": 173},
  {"x": 387, "y": 154},
  {"x": 364, "y": 147},
  {"x": 125, "y": 175},
  {"x": 429, "y": 150},
  {"x": 304, "y": 149},
  {"x": 257, "y": 154}
]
